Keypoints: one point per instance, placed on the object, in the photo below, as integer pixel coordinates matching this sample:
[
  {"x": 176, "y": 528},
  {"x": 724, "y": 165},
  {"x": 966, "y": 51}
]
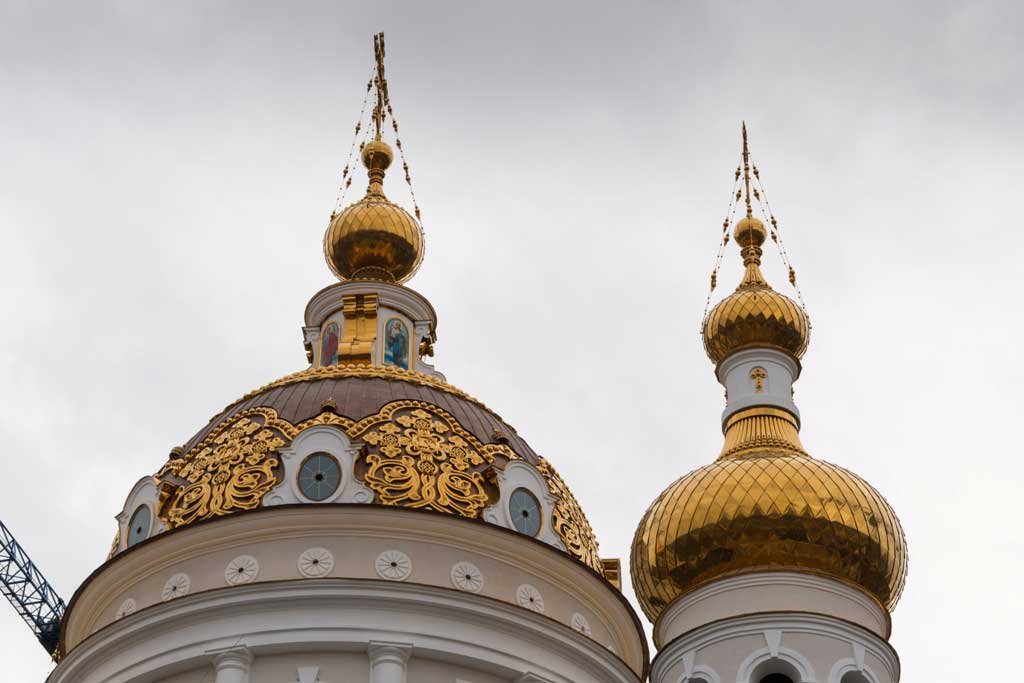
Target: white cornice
[
  {"x": 264, "y": 533},
  {"x": 408, "y": 301},
  {"x": 673, "y": 653},
  {"x": 772, "y": 591},
  {"x": 340, "y": 614}
]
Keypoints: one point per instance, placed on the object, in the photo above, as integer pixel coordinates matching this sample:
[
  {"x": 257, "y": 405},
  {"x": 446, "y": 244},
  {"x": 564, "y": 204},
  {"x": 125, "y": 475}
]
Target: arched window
[
  {"x": 775, "y": 671},
  {"x": 854, "y": 677}
]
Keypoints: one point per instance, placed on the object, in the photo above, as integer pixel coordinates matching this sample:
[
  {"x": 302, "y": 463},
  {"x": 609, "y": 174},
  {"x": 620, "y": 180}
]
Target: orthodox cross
[
  {"x": 758, "y": 375},
  {"x": 746, "y": 168},
  {"x": 380, "y": 82}
]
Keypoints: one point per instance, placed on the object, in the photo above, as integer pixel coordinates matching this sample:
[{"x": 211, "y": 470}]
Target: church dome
[
  {"x": 754, "y": 315},
  {"x": 374, "y": 238},
  {"x": 770, "y": 512},
  {"x": 764, "y": 505},
  {"x": 422, "y": 444}
]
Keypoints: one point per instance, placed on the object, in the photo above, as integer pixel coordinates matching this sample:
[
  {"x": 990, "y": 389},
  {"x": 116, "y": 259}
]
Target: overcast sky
[{"x": 167, "y": 171}]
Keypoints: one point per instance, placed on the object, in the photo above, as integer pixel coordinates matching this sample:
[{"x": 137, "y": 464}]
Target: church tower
[
  {"x": 358, "y": 520},
  {"x": 768, "y": 565}
]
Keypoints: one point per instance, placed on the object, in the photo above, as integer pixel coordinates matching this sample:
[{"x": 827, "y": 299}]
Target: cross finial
[
  {"x": 746, "y": 169},
  {"x": 380, "y": 82}
]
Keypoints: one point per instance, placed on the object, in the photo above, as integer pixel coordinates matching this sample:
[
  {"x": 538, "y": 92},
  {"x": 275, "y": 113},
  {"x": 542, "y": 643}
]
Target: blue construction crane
[{"x": 32, "y": 596}]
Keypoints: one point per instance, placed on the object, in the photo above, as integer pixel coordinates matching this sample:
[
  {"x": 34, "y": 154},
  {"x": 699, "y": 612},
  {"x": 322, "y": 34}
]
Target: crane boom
[{"x": 29, "y": 592}]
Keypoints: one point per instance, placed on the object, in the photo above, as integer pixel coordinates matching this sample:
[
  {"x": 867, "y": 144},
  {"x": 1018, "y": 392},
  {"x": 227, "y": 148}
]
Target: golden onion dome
[
  {"x": 768, "y": 512},
  {"x": 764, "y": 504},
  {"x": 755, "y": 315},
  {"x": 374, "y": 239}
]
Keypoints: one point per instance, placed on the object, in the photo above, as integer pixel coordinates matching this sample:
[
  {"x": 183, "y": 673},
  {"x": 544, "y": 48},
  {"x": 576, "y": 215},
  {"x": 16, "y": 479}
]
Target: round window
[
  {"x": 525, "y": 511},
  {"x": 138, "y": 528},
  {"x": 319, "y": 476}
]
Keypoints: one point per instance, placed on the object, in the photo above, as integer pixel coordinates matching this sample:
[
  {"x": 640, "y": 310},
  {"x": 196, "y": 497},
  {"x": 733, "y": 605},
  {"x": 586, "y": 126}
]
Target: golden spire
[
  {"x": 377, "y": 154},
  {"x": 746, "y": 169},
  {"x": 750, "y": 232},
  {"x": 375, "y": 239},
  {"x": 380, "y": 81},
  {"x": 755, "y": 315}
]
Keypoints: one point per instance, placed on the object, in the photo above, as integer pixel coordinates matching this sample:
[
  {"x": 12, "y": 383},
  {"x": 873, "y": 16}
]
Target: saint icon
[
  {"x": 396, "y": 344},
  {"x": 329, "y": 345}
]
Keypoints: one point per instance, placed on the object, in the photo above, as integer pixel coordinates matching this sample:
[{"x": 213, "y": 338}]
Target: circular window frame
[
  {"x": 334, "y": 492},
  {"x": 540, "y": 511},
  {"x": 128, "y": 528}
]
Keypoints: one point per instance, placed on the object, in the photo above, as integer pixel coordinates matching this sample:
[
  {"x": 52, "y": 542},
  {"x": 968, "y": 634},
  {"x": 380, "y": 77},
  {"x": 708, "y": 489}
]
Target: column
[
  {"x": 387, "y": 661},
  {"x": 232, "y": 664}
]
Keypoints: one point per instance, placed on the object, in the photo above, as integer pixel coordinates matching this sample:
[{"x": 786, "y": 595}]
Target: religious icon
[
  {"x": 329, "y": 345},
  {"x": 396, "y": 344}
]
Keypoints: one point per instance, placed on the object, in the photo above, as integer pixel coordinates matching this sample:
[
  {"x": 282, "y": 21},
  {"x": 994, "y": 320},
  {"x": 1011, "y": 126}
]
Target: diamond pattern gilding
[
  {"x": 755, "y": 316},
  {"x": 754, "y": 513}
]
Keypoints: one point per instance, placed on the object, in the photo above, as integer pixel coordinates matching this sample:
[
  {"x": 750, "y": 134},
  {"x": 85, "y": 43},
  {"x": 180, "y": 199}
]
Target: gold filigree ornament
[
  {"x": 570, "y": 523},
  {"x": 423, "y": 459},
  {"x": 230, "y": 470}
]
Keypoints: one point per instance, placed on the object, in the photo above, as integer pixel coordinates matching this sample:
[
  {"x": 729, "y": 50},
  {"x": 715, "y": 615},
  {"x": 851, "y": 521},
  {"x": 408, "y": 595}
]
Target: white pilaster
[
  {"x": 232, "y": 664},
  {"x": 388, "y": 661}
]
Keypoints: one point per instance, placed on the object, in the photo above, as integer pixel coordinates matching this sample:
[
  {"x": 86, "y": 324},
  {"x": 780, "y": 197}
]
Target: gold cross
[
  {"x": 381, "y": 83},
  {"x": 759, "y": 376}
]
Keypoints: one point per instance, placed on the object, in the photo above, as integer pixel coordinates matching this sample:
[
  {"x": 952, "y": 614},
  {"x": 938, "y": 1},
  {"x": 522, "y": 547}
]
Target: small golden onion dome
[
  {"x": 770, "y": 512},
  {"x": 755, "y": 315},
  {"x": 374, "y": 239}
]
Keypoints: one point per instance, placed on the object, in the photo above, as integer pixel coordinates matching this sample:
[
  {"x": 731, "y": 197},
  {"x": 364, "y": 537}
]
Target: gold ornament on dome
[
  {"x": 763, "y": 512},
  {"x": 230, "y": 470},
  {"x": 423, "y": 461},
  {"x": 419, "y": 457},
  {"x": 570, "y": 523}
]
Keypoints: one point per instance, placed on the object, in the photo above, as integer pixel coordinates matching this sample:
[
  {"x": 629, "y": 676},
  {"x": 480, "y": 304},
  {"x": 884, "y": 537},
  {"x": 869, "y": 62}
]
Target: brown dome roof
[{"x": 301, "y": 396}]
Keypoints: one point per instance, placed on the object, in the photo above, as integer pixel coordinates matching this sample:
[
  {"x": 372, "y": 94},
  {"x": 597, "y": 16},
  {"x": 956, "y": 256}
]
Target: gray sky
[{"x": 167, "y": 170}]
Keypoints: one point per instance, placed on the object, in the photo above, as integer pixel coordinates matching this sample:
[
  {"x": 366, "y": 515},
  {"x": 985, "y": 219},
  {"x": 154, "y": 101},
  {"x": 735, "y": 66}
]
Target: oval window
[
  {"x": 525, "y": 512},
  {"x": 138, "y": 528},
  {"x": 319, "y": 476}
]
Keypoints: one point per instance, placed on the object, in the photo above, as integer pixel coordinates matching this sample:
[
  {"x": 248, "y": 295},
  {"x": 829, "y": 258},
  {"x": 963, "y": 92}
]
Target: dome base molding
[
  {"x": 809, "y": 648},
  {"x": 338, "y": 625}
]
